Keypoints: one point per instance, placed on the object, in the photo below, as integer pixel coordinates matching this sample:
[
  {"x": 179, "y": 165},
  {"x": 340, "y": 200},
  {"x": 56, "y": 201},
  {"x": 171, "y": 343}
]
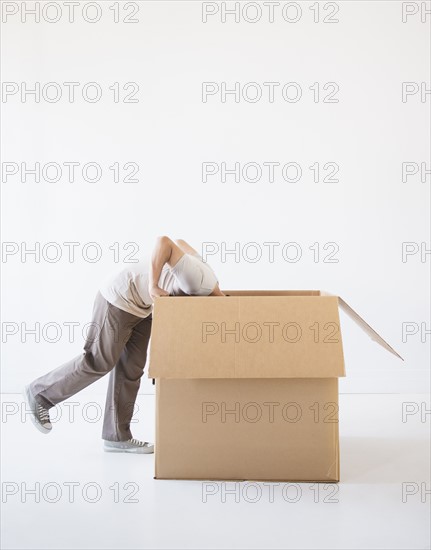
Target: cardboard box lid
[
  {"x": 251, "y": 334},
  {"x": 352, "y": 314}
]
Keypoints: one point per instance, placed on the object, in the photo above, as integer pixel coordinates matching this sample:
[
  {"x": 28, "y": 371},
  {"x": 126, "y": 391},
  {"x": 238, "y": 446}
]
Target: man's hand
[
  {"x": 156, "y": 292},
  {"x": 217, "y": 292}
]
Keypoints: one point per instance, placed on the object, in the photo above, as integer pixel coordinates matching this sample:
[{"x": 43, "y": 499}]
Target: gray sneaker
[
  {"x": 39, "y": 415},
  {"x": 129, "y": 446}
]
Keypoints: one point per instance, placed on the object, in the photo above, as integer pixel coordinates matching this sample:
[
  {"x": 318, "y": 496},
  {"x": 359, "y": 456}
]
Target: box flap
[
  {"x": 259, "y": 335},
  {"x": 344, "y": 306},
  {"x": 350, "y": 312}
]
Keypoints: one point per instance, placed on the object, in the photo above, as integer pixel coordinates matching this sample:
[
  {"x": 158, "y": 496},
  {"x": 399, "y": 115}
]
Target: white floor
[{"x": 379, "y": 453}]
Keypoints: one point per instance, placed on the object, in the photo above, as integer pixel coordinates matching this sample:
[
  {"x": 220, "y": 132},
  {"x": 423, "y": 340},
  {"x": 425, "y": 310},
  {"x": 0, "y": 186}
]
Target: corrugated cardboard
[{"x": 247, "y": 385}]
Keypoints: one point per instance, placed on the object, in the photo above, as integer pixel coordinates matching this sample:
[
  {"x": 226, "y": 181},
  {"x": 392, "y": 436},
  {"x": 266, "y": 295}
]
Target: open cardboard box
[{"x": 247, "y": 385}]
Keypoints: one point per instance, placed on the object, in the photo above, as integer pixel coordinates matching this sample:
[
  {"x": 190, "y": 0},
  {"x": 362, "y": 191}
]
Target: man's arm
[{"x": 165, "y": 252}]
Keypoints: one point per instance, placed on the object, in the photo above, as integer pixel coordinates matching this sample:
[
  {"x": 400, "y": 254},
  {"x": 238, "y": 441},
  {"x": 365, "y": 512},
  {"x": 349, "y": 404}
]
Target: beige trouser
[{"x": 117, "y": 342}]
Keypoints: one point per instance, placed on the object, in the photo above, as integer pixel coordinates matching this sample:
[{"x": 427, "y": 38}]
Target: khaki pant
[{"x": 117, "y": 343}]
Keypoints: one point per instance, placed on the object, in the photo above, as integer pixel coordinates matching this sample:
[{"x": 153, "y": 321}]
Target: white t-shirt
[{"x": 128, "y": 289}]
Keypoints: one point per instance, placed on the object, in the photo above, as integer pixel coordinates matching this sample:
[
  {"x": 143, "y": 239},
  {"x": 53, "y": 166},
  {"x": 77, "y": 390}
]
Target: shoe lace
[
  {"x": 137, "y": 442},
  {"x": 43, "y": 414}
]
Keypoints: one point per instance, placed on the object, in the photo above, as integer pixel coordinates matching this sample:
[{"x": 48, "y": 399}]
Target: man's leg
[
  {"x": 110, "y": 329},
  {"x": 124, "y": 382}
]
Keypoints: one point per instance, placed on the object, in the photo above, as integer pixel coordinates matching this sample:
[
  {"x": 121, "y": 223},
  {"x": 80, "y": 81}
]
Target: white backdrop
[{"x": 172, "y": 128}]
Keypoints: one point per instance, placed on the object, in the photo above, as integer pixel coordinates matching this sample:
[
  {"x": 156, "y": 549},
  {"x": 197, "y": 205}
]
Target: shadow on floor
[{"x": 383, "y": 460}]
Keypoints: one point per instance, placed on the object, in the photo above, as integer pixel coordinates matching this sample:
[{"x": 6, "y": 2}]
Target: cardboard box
[{"x": 247, "y": 385}]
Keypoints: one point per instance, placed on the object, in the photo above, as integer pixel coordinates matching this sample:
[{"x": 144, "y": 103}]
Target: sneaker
[
  {"x": 39, "y": 415},
  {"x": 129, "y": 446}
]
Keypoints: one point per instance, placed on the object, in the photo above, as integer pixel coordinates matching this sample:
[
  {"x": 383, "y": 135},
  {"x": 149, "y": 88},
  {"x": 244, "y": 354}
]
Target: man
[{"x": 118, "y": 339}]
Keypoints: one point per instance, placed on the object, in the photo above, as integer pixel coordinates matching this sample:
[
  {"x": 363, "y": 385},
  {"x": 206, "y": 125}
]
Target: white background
[{"x": 369, "y": 133}]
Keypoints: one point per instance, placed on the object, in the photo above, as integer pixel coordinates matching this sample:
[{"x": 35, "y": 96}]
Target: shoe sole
[
  {"x": 36, "y": 423},
  {"x": 147, "y": 450}
]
